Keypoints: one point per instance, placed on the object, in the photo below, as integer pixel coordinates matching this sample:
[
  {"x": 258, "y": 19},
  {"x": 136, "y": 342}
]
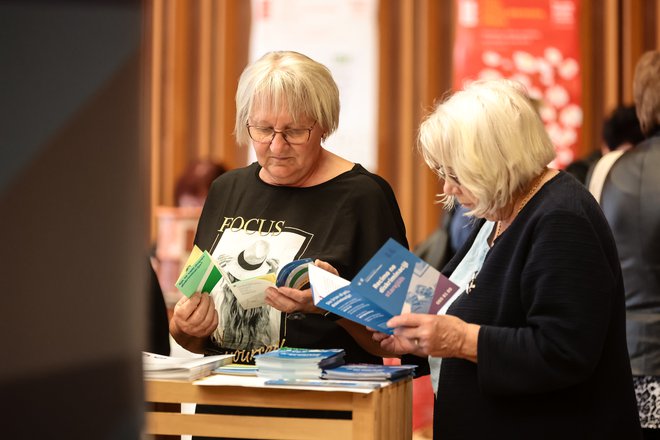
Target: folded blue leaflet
[{"x": 294, "y": 274}]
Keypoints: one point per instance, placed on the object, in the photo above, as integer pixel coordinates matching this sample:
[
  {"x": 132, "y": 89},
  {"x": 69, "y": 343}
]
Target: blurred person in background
[
  {"x": 193, "y": 185},
  {"x": 630, "y": 199},
  {"x": 621, "y": 132},
  {"x": 580, "y": 168},
  {"x": 452, "y": 232},
  {"x": 534, "y": 344}
]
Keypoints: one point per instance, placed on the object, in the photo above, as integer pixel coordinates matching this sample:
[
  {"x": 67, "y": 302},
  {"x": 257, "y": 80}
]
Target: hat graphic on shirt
[{"x": 251, "y": 262}]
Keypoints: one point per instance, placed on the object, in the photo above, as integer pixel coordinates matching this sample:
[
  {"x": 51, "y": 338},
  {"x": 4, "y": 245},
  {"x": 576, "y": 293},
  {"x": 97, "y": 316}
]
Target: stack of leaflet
[
  {"x": 297, "y": 363},
  {"x": 295, "y": 274},
  {"x": 156, "y": 366},
  {"x": 369, "y": 372},
  {"x": 237, "y": 370}
]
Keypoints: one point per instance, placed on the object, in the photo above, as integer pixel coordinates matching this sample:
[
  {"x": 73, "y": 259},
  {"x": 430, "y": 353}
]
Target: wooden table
[{"x": 384, "y": 413}]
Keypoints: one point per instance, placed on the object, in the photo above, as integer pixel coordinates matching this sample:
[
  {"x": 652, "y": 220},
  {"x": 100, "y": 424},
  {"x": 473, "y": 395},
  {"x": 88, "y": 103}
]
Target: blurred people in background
[
  {"x": 533, "y": 346},
  {"x": 447, "y": 239},
  {"x": 630, "y": 199},
  {"x": 580, "y": 168},
  {"x": 193, "y": 185},
  {"x": 621, "y": 131}
]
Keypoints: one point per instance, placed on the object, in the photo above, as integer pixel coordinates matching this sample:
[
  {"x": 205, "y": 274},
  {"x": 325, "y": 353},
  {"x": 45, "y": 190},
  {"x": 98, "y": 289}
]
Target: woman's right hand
[
  {"x": 193, "y": 318},
  {"x": 395, "y": 345},
  {"x": 289, "y": 300}
]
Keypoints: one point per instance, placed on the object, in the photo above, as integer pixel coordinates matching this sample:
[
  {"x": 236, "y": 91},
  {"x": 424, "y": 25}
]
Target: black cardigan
[{"x": 552, "y": 356}]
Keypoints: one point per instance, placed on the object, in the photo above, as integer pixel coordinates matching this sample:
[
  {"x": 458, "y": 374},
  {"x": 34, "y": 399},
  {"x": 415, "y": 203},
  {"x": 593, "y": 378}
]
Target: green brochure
[{"x": 200, "y": 273}]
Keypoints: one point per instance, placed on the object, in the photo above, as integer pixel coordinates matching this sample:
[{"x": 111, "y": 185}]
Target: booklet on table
[
  {"x": 368, "y": 372},
  {"x": 156, "y": 366},
  {"x": 297, "y": 363}
]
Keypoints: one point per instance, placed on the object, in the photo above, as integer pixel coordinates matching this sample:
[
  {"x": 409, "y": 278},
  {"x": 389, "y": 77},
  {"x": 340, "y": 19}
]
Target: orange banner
[{"x": 536, "y": 43}]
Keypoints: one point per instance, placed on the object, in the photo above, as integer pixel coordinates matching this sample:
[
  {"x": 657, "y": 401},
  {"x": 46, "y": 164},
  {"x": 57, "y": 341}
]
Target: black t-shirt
[
  {"x": 159, "y": 332},
  {"x": 252, "y": 228}
]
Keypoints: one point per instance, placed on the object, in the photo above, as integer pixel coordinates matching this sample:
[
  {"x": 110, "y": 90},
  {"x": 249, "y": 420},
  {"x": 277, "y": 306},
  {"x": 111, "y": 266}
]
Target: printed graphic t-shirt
[{"x": 252, "y": 228}]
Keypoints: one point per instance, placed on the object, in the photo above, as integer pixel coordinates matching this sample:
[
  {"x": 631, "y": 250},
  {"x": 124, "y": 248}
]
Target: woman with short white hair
[
  {"x": 298, "y": 200},
  {"x": 534, "y": 346}
]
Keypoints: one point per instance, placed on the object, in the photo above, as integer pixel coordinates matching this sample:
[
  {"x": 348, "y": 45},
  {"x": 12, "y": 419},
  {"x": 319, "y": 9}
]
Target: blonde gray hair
[
  {"x": 646, "y": 91},
  {"x": 287, "y": 81},
  {"x": 490, "y": 136}
]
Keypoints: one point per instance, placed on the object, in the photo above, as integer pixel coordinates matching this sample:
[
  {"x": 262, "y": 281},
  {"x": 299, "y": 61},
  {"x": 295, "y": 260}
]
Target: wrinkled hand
[
  {"x": 326, "y": 266},
  {"x": 430, "y": 335},
  {"x": 393, "y": 344},
  {"x": 290, "y": 300},
  {"x": 195, "y": 316}
]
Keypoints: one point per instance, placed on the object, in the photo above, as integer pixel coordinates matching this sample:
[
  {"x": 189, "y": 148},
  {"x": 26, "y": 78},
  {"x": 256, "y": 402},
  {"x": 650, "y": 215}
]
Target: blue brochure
[
  {"x": 394, "y": 281},
  {"x": 368, "y": 372}
]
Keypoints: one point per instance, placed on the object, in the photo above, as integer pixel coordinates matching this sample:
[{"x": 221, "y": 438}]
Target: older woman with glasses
[
  {"x": 298, "y": 200},
  {"x": 535, "y": 345}
]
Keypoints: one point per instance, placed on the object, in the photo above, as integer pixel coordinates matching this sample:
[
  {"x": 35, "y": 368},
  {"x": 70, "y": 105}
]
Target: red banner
[{"x": 534, "y": 42}]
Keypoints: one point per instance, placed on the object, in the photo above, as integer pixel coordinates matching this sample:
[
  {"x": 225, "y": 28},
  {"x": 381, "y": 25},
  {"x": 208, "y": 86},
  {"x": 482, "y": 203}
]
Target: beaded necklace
[{"x": 527, "y": 198}]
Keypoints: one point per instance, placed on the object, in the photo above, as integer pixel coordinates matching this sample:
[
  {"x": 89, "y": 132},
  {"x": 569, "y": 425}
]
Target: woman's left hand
[{"x": 289, "y": 300}]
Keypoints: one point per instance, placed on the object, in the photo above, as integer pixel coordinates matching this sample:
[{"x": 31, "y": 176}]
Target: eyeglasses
[
  {"x": 441, "y": 172},
  {"x": 292, "y": 136}
]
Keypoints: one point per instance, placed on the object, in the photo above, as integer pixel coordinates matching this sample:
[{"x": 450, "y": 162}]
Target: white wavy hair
[
  {"x": 290, "y": 81},
  {"x": 491, "y": 137}
]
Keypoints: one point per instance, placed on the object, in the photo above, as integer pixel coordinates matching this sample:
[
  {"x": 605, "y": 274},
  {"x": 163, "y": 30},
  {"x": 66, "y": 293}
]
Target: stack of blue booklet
[
  {"x": 369, "y": 372},
  {"x": 297, "y": 363}
]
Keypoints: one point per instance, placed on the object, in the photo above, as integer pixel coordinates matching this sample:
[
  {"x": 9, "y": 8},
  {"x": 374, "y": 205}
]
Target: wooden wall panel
[
  {"x": 615, "y": 33},
  {"x": 232, "y": 29},
  {"x": 591, "y": 56},
  {"x": 197, "y": 50},
  {"x": 632, "y": 43},
  {"x": 639, "y": 33},
  {"x": 203, "y": 89},
  {"x": 415, "y": 60},
  {"x": 406, "y": 117},
  {"x": 655, "y": 17},
  {"x": 611, "y": 47}
]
